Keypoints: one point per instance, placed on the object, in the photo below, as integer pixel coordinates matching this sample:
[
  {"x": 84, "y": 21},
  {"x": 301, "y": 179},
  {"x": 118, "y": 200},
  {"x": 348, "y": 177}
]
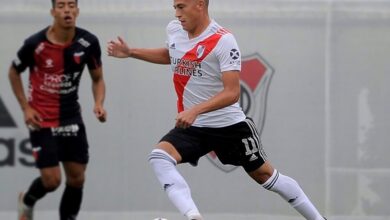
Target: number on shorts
[{"x": 250, "y": 146}]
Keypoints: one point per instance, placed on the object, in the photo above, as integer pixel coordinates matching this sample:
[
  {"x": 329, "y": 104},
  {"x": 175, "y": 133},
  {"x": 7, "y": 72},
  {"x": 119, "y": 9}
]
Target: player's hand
[
  {"x": 185, "y": 118},
  {"x": 32, "y": 119},
  {"x": 118, "y": 48},
  {"x": 100, "y": 113}
]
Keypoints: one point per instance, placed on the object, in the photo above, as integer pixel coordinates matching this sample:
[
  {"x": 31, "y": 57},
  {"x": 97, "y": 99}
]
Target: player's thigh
[
  {"x": 239, "y": 145},
  {"x": 170, "y": 149},
  {"x": 189, "y": 143},
  {"x": 45, "y": 148},
  {"x": 74, "y": 145},
  {"x": 263, "y": 173}
]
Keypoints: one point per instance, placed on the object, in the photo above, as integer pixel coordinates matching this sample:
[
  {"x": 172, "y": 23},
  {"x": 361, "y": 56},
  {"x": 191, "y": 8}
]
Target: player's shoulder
[
  {"x": 83, "y": 35},
  {"x": 218, "y": 29},
  {"x": 37, "y": 37},
  {"x": 84, "y": 32},
  {"x": 226, "y": 40},
  {"x": 227, "y": 37},
  {"x": 174, "y": 26}
]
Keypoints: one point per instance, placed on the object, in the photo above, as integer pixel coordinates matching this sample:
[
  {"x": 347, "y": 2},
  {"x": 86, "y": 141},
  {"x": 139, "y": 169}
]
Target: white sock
[
  {"x": 173, "y": 183},
  {"x": 289, "y": 190}
]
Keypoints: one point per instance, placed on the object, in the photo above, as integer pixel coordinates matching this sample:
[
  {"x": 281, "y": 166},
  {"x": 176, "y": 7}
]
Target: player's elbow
[{"x": 234, "y": 96}]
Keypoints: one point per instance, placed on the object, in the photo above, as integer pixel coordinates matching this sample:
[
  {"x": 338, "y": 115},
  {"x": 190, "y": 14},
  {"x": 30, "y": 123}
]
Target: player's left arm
[
  {"x": 99, "y": 92},
  {"x": 228, "y": 96}
]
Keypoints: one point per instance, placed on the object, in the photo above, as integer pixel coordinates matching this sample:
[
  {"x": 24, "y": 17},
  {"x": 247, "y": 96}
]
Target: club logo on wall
[
  {"x": 6, "y": 121},
  {"x": 255, "y": 79}
]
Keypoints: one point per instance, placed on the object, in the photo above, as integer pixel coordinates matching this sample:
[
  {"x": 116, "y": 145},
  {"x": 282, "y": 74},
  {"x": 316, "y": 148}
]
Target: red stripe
[
  {"x": 180, "y": 81},
  {"x": 47, "y": 104}
]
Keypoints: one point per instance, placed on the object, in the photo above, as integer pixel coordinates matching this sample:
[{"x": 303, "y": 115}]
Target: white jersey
[{"x": 198, "y": 64}]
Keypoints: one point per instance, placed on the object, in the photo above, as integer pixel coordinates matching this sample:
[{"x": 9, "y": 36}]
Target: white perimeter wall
[{"x": 326, "y": 124}]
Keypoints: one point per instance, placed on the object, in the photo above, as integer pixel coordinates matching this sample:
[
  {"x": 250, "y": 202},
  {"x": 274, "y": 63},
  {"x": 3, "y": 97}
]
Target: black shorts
[
  {"x": 66, "y": 143},
  {"x": 238, "y": 144}
]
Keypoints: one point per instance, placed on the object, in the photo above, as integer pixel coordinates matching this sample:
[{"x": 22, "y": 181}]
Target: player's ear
[{"x": 201, "y": 3}]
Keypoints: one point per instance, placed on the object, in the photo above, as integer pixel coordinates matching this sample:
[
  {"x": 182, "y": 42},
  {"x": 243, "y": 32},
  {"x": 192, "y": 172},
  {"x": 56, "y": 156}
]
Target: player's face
[
  {"x": 65, "y": 13},
  {"x": 187, "y": 12}
]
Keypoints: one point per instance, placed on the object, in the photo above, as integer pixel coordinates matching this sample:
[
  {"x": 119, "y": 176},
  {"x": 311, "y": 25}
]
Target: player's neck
[
  {"x": 201, "y": 27},
  {"x": 60, "y": 36}
]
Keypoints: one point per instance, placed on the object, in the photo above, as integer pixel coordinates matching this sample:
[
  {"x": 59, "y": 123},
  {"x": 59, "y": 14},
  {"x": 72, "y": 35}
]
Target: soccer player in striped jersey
[
  {"x": 56, "y": 57},
  {"x": 205, "y": 61}
]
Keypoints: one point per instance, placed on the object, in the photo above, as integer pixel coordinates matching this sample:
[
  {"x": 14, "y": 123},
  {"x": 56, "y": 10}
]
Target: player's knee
[
  {"x": 163, "y": 165},
  {"x": 259, "y": 177},
  {"x": 158, "y": 155},
  {"x": 262, "y": 174},
  {"x": 51, "y": 183},
  {"x": 76, "y": 181}
]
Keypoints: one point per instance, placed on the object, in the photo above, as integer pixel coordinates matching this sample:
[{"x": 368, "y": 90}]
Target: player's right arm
[
  {"x": 119, "y": 49},
  {"x": 31, "y": 116}
]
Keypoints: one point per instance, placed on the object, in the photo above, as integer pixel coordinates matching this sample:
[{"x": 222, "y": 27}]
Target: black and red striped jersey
[{"x": 55, "y": 73}]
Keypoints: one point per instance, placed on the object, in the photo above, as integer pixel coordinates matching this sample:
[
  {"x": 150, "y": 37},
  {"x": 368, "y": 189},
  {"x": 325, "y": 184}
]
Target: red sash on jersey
[{"x": 180, "y": 81}]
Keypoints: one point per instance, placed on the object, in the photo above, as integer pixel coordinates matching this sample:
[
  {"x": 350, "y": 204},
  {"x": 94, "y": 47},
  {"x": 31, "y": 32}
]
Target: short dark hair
[{"x": 53, "y": 3}]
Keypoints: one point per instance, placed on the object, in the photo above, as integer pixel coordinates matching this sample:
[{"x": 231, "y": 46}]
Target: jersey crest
[
  {"x": 200, "y": 51},
  {"x": 77, "y": 57}
]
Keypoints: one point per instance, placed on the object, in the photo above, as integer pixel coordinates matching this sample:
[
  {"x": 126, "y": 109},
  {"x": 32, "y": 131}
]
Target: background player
[
  {"x": 206, "y": 68},
  {"x": 56, "y": 57}
]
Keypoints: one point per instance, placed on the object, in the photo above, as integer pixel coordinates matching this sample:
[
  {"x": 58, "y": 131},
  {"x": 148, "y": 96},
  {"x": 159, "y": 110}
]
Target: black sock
[
  {"x": 35, "y": 192},
  {"x": 70, "y": 203}
]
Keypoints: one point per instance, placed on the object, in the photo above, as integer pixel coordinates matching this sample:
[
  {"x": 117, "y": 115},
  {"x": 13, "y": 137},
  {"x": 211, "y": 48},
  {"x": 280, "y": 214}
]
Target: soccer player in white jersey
[{"x": 206, "y": 63}]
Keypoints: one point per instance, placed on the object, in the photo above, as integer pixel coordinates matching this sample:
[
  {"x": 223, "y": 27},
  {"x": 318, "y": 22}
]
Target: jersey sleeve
[
  {"x": 24, "y": 57},
  {"x": 228, "y": 53},
  {"x": 172, "y": 28},
  {"x": 167, "y": 34},
  {"x": 94, "y": 60}
]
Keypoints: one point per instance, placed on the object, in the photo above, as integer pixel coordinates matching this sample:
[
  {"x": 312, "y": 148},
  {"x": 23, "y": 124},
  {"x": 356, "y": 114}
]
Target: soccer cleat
[{"x": 24, "y": 212}]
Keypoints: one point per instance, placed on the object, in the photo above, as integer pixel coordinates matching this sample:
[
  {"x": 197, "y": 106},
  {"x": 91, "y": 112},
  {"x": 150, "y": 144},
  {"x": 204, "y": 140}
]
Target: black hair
[{"x": 53, "y": 2}]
